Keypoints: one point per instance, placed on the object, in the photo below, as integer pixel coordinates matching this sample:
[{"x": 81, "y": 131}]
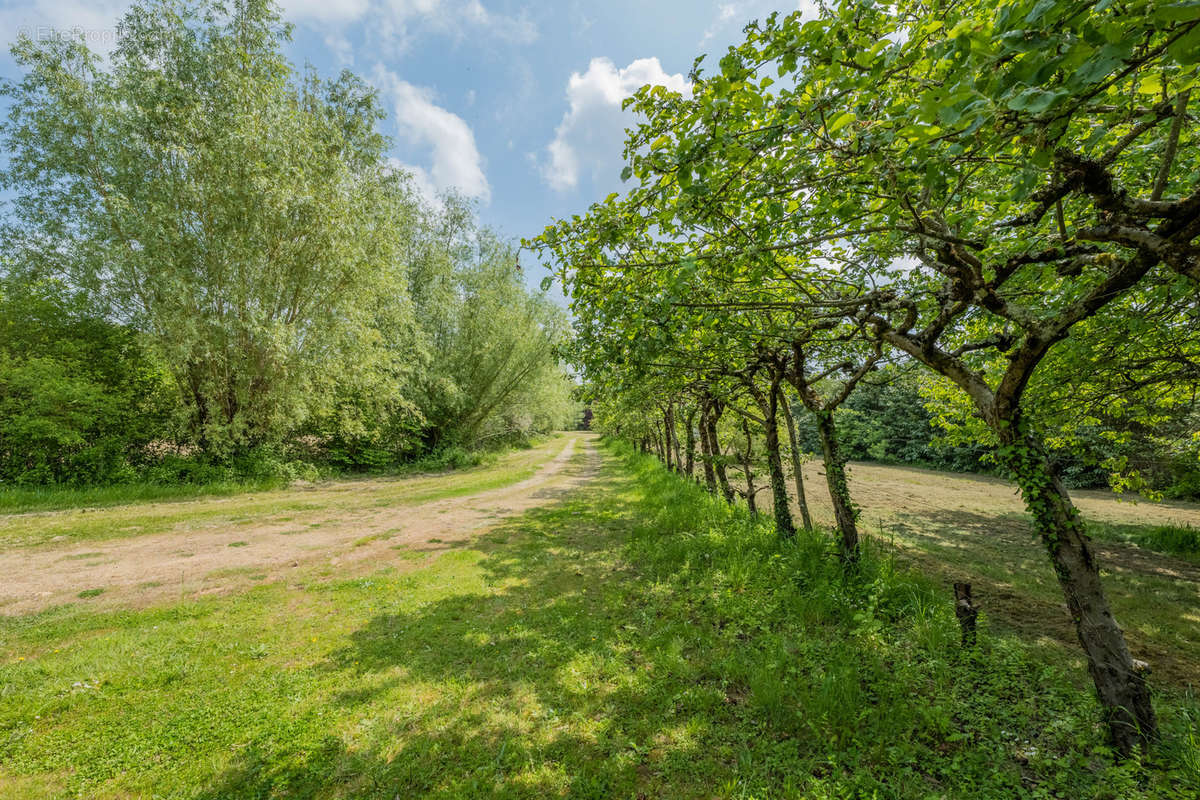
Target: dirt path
[{"x": 192, "y": 562}]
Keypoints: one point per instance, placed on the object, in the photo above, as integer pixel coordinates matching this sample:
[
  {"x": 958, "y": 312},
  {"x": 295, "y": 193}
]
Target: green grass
[
  {"x": 308, "y": 507},
  {"x": 634, "y": 639},
  {"x": 15, "y": 500},
  {"x": 1016, "y": 587},
  {"x": 1172, "y": 539},
  {"x": 1182, "y": 541}
]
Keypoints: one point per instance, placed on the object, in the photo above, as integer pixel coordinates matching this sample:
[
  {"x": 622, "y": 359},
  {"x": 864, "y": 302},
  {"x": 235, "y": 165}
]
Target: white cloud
[
  {"x": 518, "y": 30},
  {"x": 326, "y": 11},
  {"x": 421, "y": 180},
  {"x": 94, "y": 20},
  {"x": 391, "y": 20},
  {"x": 733, "y": 15},
  {"x": 340, "y": 47},
  {"x": 592, "y": 132},
  {"x": 725, "y": 13},
  {"x": 455, "y": 160}
]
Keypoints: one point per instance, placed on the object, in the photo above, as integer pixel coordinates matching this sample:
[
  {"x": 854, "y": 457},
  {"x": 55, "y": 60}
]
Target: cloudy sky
[{"x": 513, "y": 102}]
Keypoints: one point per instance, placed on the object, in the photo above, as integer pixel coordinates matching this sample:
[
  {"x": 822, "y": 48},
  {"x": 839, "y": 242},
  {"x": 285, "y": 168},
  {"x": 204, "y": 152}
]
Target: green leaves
[
  {"x": 1101, "y": 64},
  {"x": 840, "y": 121},
  {"x": 242, "y": 215},
  {"x": 1036, "y": 101},
  {"x": 1181, "y": 11},
  {"x": 1039, "y": 10},
  {"x": 1185, "y": 49},
  {"x": 894, "y": 132}
]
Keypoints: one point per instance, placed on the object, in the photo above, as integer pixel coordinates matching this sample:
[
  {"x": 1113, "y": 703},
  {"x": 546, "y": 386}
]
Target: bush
[
  {"x": 80, "y": 397},
  {"x": 1186, "y": 487},
  {"x": 261, "y": 466},
  {"x": 1185, "y": 474},
  {"x": 183, "y": 471},
  {"x": 451, "y": 457},
  {"x": 886, "y": 421}
]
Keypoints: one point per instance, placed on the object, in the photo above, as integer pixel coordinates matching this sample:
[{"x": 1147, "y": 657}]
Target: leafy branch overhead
[{"x": 988, "y": 193}]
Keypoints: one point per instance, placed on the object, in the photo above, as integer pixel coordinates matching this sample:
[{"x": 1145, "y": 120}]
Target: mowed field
[
  {"x": 974, "y": 528},
  {"x": 221, "y": 647}
]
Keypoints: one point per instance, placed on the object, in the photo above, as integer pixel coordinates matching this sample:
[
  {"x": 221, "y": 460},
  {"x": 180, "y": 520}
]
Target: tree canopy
[
  {"x": 236, "y": 222},
  {"x": 1002, "y": 196}
]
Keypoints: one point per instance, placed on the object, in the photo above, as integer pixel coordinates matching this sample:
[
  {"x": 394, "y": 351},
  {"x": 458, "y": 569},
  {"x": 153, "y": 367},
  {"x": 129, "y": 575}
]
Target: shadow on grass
[
  {"x": 530, "y": 689},
  {"x": 720, "y": 663},
  {"x": 1015, "y": 584}
]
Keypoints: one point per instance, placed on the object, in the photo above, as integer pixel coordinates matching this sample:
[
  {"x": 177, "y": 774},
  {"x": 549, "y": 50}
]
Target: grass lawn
[
  {"x": 311, "y": 504},
  {"x": 21, "y": 499},
  {"x": 973, "y": 528},
  {"x": 633, "y": 639}
]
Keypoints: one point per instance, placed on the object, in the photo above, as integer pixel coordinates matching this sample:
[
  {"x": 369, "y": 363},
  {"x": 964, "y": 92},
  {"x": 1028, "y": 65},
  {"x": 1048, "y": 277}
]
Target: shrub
[{"x": 80, "y": 397}]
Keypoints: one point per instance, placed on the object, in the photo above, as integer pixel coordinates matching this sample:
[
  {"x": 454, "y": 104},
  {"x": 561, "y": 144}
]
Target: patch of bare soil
[{"x": 206, "y": 561}]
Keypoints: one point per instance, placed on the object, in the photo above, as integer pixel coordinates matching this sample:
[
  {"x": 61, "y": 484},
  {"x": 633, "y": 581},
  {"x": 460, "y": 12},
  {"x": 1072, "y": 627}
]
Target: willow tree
[
  {"x": 986, "y": 180},
  {"x": 203, "y": 191},
  {"x": 493, "y": 344}
]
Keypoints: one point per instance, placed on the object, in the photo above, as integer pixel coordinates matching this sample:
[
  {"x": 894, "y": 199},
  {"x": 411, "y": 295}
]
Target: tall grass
[
  {"x": 20, "y": 499},
  {"x": 1182, "y": 541},
  {"x": 1174, "y": 539}
]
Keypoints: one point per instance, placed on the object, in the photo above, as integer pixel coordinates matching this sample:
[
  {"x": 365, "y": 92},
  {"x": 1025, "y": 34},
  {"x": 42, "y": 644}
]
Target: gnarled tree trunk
[
  {"x": 673, "y": 438},
  {"x": 779, "y": 495},
  {"x": 714, "y": 444},
  {"x": 690, "y": 464},
  {"x": 747, "y": 465},
  {"x": 665, "y": 442},
  {"x": 706, "y": 454},
  {"x": 1121, "y": 689}
]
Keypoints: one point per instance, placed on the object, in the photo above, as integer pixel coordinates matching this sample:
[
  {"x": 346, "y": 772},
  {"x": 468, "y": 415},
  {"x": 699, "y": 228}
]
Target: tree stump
[{"x": 966, "y": 611}]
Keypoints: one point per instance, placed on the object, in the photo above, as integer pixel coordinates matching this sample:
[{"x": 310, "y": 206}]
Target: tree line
[
  {"x": 209, "y": 263},
  {"x": 893, "y": 417},
  {"x": 998, "y": 199}
]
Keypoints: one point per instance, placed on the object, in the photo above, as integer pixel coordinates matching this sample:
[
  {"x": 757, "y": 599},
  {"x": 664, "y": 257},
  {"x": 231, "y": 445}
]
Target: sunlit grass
[
  {"x": 634, "y": 638},
  {"x": 309, "y": 506}
]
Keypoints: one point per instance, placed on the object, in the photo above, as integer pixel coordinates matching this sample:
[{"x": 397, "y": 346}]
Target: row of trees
[
  {"x": 886, "y": 419},
  {"x": 1001, "y": 196},
  {"x": 209, "y": 252}
]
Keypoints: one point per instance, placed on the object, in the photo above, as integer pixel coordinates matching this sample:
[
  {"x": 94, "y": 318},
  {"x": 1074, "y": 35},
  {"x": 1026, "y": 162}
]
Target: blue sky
[{"x": 513, "y": 102}]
